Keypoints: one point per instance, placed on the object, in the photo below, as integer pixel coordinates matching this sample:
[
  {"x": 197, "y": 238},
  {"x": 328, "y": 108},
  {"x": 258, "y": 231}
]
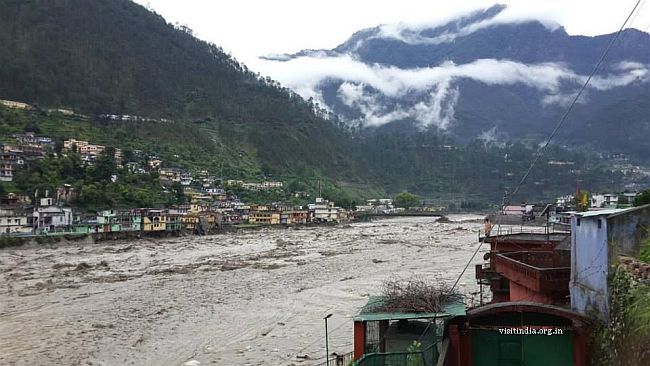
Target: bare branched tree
[{"x": 416, "y": 295}]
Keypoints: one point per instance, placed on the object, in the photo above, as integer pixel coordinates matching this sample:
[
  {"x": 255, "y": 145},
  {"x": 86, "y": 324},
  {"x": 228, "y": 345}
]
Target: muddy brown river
[{"x": 247, "y": 298}]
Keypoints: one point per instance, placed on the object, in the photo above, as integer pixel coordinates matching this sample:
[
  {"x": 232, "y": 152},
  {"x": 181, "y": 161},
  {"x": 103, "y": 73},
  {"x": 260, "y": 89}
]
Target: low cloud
[
  {"x": 489, "y": 137},
  {"x": 436, "y": 88},
  {"x": 459, "y": 26}
]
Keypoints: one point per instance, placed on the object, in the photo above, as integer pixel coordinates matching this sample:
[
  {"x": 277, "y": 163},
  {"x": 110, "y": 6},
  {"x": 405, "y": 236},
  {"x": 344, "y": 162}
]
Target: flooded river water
[{"x": 248, "y": 298}]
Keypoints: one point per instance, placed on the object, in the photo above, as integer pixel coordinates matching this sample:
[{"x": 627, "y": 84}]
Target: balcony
[
  {"x": 523, "y": 241},
  {"x": 542, "y": 272}
]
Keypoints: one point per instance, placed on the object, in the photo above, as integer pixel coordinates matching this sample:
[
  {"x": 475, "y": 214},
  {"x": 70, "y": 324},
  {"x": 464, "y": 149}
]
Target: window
[
  {"x": 578, "y": 222},
  {"x": 600, "y": 223}
]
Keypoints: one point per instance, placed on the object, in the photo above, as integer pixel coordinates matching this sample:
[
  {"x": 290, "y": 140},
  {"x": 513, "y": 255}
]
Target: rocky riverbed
[{"x": 247, "y": 298}]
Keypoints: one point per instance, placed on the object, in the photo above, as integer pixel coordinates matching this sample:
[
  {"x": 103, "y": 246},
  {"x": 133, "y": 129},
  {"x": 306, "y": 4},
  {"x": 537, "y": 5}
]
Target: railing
[
  {"x": 524, "y": 229},
  {"x": 540, "y": 271},
  {"x": 426, "y": 357}
]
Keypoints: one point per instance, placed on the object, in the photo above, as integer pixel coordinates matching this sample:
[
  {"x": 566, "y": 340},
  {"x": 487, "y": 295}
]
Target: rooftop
[
  {"x": 611, "y": 212},
  {"x": 368, "y": 312},
  {"x": 606, "y": 212}
]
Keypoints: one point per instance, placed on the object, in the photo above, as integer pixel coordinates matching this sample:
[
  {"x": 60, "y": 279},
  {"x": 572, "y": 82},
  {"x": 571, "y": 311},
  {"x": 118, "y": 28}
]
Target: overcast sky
[{"x": 250, "y": 28}]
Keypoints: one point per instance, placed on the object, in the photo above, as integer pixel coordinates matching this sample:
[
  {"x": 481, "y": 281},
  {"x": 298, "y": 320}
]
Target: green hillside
[
  {"x": 116, "y": 57},
  {"x": 208, "y": 112}
]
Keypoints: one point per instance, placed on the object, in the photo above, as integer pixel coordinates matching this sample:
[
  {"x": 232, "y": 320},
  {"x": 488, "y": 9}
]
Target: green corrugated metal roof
[{"x": 367, "y": 314}]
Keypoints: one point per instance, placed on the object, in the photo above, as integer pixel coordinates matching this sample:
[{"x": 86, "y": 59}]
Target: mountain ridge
[
  {"x": 115, "y": 57},
  {"x": 467, "y": 76}
]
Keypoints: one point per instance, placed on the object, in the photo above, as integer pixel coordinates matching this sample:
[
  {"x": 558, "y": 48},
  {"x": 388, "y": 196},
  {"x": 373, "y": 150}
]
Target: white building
[
  {"x": 611, "y": 200},
  {"x": 271, "y": 185},
  {"x": 14, "y": 105},
  {"x": 564, "y": 201},
  {"x": 48, "y": 217},
  {"x": 185, "y": 179},
  {"x": 324, "y": 211},
  {"x": 13, "y": 222},
  {"x": 597, "y": 201}
]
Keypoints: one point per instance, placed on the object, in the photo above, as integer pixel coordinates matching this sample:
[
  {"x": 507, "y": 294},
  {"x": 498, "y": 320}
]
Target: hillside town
[
  {"x": 19, "y": 217},
  {"x": 418, "y": 183},
  {"x": 211, "y": 204}
]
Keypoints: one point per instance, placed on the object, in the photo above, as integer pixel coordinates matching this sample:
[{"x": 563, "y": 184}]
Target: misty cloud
[
  {"x": 411, "y": 33},
  {"x": 436, "y": 87}
]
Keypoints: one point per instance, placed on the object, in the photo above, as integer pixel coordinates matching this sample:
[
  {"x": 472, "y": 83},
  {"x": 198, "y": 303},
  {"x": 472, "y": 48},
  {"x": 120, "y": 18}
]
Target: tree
[
  {"x": 178, "y": 194},
  {"x": 406, "y": 200},
  {"x": 58, "y": 146},
  {"x": 643, "y": 198},
  {"x": 32, "y": 126},
  {"x": 105, "y": 166},
  {"x": 128, "y": 156}
]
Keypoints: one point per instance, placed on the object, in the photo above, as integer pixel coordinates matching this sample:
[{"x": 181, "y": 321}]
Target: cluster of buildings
[
  {"x": 19, "y": 216},
  {"x": 28, "y": 147},
  {"x": 175, "y": 175},
  {"x": 612, "y": 200},
  {"x": 596, "y": 201},
  {"x": 28, "y": 107},
  {"x": 567, "y": 204},
  {"x": 386, "y": 206},
  {"x": 252, "y": 186},
  {"x": 377, "y": 206},
  {"x": 621, "y": 163},
  {"x": 15, "y": 105},
  {"x": 89, "y": 152},
  {"x": 130, "y": 118}
]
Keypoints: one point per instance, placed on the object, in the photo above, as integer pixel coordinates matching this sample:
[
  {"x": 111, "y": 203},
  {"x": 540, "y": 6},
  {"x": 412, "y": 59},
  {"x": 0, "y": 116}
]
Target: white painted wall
[{"x": 589, "y": 265}]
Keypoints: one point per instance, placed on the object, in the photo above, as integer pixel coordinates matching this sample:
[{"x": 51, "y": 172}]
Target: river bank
[
  {"x": 62, "y": 238},
  {"x": 250, "y": 297}
]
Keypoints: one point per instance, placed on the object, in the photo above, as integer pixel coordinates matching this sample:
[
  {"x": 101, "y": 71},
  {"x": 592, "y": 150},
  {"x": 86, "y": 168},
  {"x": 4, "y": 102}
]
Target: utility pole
[{"x": 327, "y": 347}]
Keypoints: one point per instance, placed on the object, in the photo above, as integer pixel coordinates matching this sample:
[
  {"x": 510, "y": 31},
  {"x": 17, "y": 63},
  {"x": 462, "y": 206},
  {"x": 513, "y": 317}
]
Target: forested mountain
[
  {"x": 207, "y": 111},
  {"x": 490, "y": 75},
  {"x": 116, "y": 57}
]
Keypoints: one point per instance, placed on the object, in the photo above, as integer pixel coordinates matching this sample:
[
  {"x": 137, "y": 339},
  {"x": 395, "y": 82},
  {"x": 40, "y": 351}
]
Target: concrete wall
[
  {"x": 589, "y": 266},
  {"x": 627, "y": 232},
  {"x": 522, "y": 293}
]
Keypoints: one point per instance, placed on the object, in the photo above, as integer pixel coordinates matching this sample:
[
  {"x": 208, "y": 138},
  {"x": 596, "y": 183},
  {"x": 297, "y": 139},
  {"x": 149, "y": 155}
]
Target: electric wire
[{"x": 542, "y": 148}]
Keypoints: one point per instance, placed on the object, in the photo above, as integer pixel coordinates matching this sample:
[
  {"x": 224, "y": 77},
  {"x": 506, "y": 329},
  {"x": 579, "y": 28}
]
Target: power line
[
  {"x": 540, "y": 151},
  {"x": 542, "y": 148}
]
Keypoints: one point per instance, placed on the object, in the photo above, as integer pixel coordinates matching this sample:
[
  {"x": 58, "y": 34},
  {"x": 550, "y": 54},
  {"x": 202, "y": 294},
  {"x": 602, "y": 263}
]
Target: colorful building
[
  {"x": 174, "y": 222},
  {"x": 264, "y": 217},
  {"x": 154, "y": 220},
  {"x": 107, "y": 221}
]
